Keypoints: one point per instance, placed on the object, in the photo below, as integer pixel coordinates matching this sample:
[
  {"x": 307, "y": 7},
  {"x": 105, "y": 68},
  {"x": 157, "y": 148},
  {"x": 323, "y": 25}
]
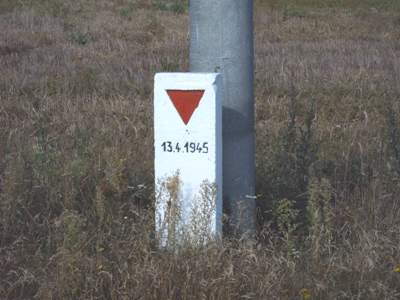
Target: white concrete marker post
[{"x": 188, "y": 157}]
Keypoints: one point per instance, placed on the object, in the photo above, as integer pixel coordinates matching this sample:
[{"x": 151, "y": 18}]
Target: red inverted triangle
[{"x": 185, "y": 102}]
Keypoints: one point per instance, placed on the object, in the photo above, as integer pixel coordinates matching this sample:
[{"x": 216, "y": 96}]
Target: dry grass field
[{"x": 76, "y": 153}]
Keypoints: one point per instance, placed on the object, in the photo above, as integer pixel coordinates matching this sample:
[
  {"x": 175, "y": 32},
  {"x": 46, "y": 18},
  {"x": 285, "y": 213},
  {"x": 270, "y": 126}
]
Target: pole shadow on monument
[{"x": 238, "y": 209}]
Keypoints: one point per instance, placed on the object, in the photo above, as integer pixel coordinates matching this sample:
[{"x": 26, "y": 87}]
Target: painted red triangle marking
[{"x": 185, "y": 102}]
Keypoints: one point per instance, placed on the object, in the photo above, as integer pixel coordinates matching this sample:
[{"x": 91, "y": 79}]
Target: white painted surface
[{"x": 194, "y": 167}]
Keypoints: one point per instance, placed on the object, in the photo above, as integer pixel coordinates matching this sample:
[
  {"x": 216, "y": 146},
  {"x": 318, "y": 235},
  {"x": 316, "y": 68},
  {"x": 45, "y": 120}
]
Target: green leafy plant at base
[
  {"x": 286, "y": 216},
  {"x": 320, "y": 215},
  {"x": 290, "y": 162},
  {"x": 73, "y": 225},
  {"x": 80, "y": 38}
]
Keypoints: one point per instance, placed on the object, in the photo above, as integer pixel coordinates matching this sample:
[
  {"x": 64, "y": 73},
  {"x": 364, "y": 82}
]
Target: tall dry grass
[{"x": 76, "y": 154}]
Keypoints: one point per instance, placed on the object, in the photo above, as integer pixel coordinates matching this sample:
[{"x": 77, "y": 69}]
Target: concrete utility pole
[{"x": 222, "y": 41}]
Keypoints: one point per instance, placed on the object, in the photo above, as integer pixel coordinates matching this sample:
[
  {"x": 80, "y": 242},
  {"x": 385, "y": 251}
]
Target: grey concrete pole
[{"x": 222, "y": 41}]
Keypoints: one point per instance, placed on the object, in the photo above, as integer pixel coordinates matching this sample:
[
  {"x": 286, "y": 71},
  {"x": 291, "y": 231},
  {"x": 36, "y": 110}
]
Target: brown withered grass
[{"x": 76, "y": 153}]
